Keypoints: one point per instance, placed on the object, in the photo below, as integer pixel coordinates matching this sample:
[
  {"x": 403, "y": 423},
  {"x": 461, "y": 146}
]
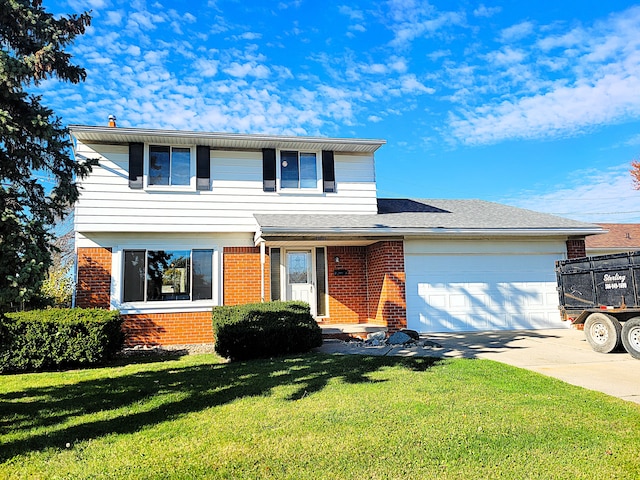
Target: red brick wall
[
  {"x": 168, "y": 328},
  {"x": 576, "y": 248},
  {"x": 347, "y": 293},
  {"x": 93, "y": 288},
  {"x": 386, "y": 281},
  {"x": 242, "y": 276}
]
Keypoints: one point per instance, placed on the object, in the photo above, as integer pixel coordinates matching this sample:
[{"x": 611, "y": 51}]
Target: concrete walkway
[{"x": 560, "y": 353}]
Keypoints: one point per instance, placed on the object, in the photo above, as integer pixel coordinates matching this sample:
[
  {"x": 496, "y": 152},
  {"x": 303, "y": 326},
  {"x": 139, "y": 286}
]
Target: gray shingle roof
[{"x": 426, "y": 216}]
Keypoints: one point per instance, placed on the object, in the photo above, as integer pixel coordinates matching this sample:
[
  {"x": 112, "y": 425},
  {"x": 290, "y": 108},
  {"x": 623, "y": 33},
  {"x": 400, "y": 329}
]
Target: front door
[{"x": 299, "y": 279}]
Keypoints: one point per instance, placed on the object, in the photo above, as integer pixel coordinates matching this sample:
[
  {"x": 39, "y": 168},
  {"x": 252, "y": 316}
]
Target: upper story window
[
  {"x": 305, "y": 171},
  {"x": 169, "y": 165},
  {"x": 298, "y": 170}
]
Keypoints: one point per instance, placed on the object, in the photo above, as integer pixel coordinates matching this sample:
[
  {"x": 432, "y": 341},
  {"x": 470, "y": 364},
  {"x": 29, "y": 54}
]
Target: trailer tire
[
  {"x": 631, "y": 337},
  {"x": 603, "y": 332}
]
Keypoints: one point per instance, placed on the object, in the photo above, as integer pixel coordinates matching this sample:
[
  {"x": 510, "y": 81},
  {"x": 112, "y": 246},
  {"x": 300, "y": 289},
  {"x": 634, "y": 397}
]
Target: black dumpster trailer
[{"x": 603, "y": 293}]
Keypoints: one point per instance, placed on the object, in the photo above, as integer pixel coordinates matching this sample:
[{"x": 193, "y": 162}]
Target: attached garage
[
  {"x": 459, "y": 286},
  {"x": 469, "y": 265}
]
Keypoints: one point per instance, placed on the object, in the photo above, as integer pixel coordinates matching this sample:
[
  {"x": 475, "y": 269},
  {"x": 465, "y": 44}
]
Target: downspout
[
  {"x": 75, "y": 279},
  {"x": 262, "y": 263}
]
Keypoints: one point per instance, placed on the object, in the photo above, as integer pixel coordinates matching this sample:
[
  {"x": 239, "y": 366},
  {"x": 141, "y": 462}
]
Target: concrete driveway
[{"x": 559, "y": 353}]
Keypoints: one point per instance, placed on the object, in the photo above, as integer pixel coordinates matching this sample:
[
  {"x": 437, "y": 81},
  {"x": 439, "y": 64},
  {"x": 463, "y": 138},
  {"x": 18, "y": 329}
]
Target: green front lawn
[{"x": 312, "y": 416}]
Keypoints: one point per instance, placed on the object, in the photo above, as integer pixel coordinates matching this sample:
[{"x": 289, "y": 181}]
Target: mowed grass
[{"x": 312, "y": 417}]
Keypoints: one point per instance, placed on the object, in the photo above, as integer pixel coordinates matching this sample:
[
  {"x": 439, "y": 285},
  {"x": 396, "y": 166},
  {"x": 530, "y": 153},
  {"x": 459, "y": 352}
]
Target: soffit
[{"x": 117, "y": 135}]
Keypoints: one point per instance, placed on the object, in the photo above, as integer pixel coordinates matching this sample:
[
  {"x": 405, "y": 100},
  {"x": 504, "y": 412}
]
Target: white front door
[{"x": 299, "y": 277}]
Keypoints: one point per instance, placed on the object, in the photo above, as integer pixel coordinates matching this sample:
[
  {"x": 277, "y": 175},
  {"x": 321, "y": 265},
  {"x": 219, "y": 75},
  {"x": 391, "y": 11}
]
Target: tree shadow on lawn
[{"x": 195, "y": 388}]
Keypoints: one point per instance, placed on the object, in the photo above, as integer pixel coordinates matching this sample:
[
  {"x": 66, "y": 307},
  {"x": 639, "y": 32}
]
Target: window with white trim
[
  {"x": 166, "y": 275},
  {"x": 169, "y": 165},
  {"x": 298, "y": 170}
]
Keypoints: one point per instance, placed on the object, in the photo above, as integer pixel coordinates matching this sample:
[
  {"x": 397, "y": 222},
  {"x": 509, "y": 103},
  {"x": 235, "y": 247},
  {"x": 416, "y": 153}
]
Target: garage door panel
[{"x": 481, "y": 292}]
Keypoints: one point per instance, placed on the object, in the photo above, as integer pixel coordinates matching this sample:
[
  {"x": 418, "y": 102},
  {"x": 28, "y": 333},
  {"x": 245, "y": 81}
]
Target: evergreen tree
[{"x": 33, "y": 143}]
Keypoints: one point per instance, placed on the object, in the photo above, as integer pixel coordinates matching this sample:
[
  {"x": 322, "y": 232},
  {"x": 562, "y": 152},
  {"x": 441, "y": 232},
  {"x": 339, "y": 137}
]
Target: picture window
[{"x": 166, "y": 275}]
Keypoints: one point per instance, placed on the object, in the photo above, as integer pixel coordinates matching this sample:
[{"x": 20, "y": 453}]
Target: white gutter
[{"x": 427, "y": 232}]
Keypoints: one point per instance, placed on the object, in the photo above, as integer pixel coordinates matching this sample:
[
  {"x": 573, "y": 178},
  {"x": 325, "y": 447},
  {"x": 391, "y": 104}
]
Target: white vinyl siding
[{"x": 107, "y": 204}]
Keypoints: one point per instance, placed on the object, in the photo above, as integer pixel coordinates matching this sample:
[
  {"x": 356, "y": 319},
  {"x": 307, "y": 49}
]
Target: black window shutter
[
  {"x": 269, "y": 169},
  {"x": 203, "y": 167},
  {"x": 328, "y": 171},
  {"x": 136, "y": 155}
]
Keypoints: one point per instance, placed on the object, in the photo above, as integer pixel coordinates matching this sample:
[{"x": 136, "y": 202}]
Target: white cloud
[
  {"x": 206, "y": 68},
  {"x": 398, "y": 64},
  {"x": 589, "y": 196},
  {"x": 411, "y": 19},
  {"x": 517, "y": 32},
  {"x": 438, "y": 54},
  {"x": 633, "y": 141},
  {"x": 410, "y": 83},
  {"x": 484, "y": 11},
  {"x": 565, "y": 110},
  {"x": 506, "y": 56},
  {"x": 247, "y": 69},
  {"x": 133, "y": 50},
  {"x": 352, "y": 13},
  {"x": 595, "y": 80},
  {"x": 81, "y": 5},
  {"x": 114, "y": 17},
  {"x": 248, "y": 36}
]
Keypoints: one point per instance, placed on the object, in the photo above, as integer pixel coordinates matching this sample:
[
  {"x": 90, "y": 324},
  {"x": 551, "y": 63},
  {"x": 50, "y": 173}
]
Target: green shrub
[
  {"x": 58, "y": 338},
  {"x": 260, "y": 330}
]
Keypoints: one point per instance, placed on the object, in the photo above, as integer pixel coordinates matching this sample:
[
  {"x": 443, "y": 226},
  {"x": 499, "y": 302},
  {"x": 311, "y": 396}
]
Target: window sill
[
  {"x": 173, "y": 306},
  {"x": 300, "y": 191},
  {"x": 170, "y": 188}
]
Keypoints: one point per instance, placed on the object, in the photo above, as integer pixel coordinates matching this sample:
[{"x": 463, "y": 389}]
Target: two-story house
[{"x": 172, "y": 223}]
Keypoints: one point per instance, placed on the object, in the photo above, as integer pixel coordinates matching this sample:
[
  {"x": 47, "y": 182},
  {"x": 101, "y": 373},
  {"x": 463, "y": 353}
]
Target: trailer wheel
[
  {"x": 603, "y": 332},
  {"x": 631, "y": 337}
]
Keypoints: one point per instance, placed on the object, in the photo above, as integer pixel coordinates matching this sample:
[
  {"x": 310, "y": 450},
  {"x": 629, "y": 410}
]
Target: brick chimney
[{"x": 112, "y": 121}]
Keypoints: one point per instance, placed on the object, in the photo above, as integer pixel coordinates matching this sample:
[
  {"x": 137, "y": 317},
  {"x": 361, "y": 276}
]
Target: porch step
[{"x": 350, "y": 330}]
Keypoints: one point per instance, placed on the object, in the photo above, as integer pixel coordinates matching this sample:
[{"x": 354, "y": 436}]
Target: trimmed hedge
[
  {"x": 58, "y": 338},
  {"x": 260, "y": 330}
]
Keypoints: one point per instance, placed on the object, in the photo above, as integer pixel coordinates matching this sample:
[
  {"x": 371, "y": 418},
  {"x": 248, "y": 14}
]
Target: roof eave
[
  {"x": 88, "y": 134},
  {"x": 431, "y": 232}
]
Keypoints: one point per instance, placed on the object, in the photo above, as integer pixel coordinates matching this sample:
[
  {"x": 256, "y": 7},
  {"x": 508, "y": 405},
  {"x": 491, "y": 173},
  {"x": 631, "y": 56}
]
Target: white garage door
[{"x": 478, "y": 292}]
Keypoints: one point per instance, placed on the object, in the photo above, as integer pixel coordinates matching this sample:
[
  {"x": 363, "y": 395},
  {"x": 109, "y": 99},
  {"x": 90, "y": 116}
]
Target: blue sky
[{"x": 533, "y": 104}]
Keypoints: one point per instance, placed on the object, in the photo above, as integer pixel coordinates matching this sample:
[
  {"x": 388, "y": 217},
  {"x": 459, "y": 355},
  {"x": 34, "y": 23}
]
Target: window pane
[
  {"x": 274, "y": 258},
  {"x": 133, "y": 276},
  {"x": 158, "y": 165},
  {"x": 321, "y": 278},
  {"x": 308, "y": 177},
  {"x": 289, "y": 169},
  {"x": 168, "y": 275},
  {"x": 202, "y": 274},
  {"x": 298, "y": 267},
  {"x": 180, "y": 166}
]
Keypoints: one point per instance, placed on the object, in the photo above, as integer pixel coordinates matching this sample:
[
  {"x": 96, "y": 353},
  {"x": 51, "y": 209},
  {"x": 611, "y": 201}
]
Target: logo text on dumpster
[{"x": 614, "y": 282}]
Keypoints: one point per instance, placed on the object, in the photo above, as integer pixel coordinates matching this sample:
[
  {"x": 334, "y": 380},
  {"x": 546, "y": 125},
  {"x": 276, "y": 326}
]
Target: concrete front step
[{"x": 350, "y": 330}]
